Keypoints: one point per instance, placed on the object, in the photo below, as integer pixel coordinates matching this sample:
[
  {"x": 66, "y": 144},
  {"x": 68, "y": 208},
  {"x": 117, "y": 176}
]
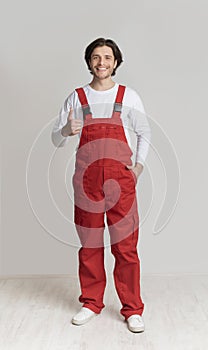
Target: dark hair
[{"x": 104, "y": 42}]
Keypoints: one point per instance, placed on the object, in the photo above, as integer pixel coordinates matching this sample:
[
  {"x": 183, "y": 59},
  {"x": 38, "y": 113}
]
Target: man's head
[{"x": 103, "y": 57}]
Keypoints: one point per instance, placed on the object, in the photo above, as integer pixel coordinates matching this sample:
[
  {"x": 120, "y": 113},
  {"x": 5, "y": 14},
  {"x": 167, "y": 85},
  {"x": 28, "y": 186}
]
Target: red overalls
[{"x": 103, "y": 184}]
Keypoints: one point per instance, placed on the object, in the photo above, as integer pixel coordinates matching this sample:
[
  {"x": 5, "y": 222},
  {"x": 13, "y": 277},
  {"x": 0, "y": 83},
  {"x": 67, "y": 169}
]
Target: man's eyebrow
[{"x": 96, "y": 54}]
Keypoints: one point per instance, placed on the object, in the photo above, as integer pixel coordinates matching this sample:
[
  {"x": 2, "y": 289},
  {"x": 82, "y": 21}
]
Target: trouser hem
[
  {"x": 93, "y": 308},
  {"x": 130, "y": 313}
]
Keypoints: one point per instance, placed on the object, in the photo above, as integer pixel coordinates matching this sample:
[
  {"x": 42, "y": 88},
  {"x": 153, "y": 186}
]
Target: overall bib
[{"x": 103, "y": 184}]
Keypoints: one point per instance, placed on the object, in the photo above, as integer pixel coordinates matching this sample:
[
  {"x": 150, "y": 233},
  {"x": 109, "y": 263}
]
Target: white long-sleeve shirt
[{"x": 101, "y": 105}]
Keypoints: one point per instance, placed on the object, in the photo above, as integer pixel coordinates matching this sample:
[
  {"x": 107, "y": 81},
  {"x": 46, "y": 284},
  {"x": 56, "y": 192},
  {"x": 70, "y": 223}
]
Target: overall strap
[
  {"x": 117, "y": 104},
  {"x": 84, "y": 103},
  {"x": 119, "y": 99}
]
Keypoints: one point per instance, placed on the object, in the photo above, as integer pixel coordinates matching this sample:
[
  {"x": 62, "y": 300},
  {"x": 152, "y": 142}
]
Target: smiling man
[
  {"x": 101, "y": 114},
  {"x": 102, "y": 64}
]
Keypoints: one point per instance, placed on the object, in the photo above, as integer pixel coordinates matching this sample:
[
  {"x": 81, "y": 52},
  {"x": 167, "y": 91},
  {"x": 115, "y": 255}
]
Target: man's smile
[{"x": 101, "y": 69}]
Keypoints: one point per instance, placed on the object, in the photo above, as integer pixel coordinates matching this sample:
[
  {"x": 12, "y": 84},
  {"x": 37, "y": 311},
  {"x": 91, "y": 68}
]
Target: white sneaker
[
  {"x": 83, "y": 316},
  {"x": 135, "y": 323}
]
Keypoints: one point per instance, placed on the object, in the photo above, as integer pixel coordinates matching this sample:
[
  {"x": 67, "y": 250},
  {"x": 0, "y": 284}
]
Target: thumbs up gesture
[{"x": 73, "y": 126}]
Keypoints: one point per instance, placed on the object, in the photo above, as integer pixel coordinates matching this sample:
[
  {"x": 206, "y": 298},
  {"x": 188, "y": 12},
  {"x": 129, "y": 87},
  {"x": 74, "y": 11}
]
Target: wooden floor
[{"x": 35, "y": 314}]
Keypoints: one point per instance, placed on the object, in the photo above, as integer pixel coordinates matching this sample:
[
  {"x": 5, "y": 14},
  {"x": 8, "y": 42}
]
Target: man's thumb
[{"x": 70, "y": 115}]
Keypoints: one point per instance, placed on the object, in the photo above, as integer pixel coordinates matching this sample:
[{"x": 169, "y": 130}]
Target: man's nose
[{"x": 101, "y": 61}]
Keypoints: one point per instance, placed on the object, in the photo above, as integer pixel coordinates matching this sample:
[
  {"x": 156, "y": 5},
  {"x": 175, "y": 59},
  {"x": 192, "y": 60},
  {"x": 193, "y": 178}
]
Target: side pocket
[{"x": 132, "y": 174}]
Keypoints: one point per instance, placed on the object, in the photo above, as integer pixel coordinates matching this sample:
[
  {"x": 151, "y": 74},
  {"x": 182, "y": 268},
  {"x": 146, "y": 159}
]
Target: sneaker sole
[
  {"x": 136, "y": 330},
  {"x": 80, "y": 323}
]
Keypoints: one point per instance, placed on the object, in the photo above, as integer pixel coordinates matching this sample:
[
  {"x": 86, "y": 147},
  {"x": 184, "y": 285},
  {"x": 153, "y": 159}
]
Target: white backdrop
[{"x": 165, "y": 61}]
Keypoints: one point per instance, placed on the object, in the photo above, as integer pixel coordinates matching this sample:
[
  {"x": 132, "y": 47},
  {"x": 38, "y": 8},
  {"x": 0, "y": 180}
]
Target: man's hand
[
  {"x": 72, "y": 127},
  {"x": 137, "y": 169}
]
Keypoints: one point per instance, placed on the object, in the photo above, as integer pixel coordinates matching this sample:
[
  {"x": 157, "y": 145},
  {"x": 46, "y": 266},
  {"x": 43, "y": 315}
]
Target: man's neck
[{"x": 101, "y": 85}]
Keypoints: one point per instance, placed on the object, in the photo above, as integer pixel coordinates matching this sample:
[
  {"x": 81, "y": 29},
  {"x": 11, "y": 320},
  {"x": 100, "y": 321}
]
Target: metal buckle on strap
[
  {"x": 117, "y": 107},
  {"x": 86, "y": 109}
]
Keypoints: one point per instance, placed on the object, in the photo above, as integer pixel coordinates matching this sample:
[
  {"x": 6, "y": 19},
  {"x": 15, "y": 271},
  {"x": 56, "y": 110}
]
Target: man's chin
[{"x": 100, "y": 77}]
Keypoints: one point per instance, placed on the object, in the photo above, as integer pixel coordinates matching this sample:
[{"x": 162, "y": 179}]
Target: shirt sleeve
[
  {"x": 57, "y": 138},
  {"x": 140, "y": 125}
]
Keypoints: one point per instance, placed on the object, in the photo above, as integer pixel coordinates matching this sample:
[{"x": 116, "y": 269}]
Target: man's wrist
[{"x": 139, "y": 166}]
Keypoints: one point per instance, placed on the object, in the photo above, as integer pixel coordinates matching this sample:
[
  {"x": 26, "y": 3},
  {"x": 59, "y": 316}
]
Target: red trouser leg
[
  {"x": 123, "y": 223},
  {"x": 127, "y": 275},
  {"x": 90, "y": 228},
  {"x": 92, "y": 278}
]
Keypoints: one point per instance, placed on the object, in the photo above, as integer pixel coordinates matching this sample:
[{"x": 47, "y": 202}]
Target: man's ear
[{"x": 115, "y": 64}]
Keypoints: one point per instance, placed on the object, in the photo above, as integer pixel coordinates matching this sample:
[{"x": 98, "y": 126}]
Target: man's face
[{"x": 102, "y": 62}]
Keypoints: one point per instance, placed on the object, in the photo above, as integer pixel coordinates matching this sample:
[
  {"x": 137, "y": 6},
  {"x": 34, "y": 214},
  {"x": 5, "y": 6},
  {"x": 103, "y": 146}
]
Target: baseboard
[{"x": 38, "y": 276}]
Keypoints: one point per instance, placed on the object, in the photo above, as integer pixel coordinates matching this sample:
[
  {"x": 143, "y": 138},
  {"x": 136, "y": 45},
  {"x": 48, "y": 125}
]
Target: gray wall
[{"x": 165, "y": 61}]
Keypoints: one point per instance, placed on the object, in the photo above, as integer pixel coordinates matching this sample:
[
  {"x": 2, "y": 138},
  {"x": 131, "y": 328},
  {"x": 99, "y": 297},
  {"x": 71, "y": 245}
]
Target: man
[{"x": 104, "y": 181}]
